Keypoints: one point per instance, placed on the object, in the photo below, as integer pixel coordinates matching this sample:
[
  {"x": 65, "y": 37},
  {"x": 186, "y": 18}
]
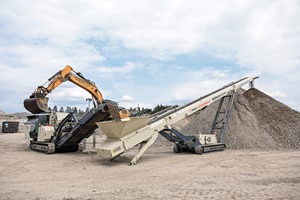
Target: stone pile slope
[{"x": 257, "y": 121}]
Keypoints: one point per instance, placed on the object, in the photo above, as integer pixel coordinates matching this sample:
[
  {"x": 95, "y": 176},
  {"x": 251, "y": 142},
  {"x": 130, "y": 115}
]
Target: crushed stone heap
[{"x": 257, "y": 121}]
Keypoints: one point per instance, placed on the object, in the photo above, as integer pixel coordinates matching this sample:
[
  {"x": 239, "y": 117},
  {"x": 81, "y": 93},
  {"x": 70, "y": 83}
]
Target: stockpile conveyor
[{"x": 123, "y": 135}]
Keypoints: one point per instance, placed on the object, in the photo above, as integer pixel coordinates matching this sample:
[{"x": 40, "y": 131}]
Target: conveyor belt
[
  {"x": 84, "y": 128},
  {"x": 175, "y": 109}
]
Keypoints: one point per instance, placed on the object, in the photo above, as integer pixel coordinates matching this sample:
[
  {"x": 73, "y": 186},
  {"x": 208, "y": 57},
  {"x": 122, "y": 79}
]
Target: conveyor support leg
[{"x": 144, "y": 148}]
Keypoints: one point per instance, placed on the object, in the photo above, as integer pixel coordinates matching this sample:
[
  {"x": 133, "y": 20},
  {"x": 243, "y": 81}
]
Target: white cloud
[
  {"x": 127, "y": 98},
  {"x": 39, "y": 38},
  {"x": 256, "y": 34},
  {"x": 127, "y": 68},
  {"x": 277, "y": 94},
  {"x": 201, "y": 82},
  {"x": 71, "y": 93}
]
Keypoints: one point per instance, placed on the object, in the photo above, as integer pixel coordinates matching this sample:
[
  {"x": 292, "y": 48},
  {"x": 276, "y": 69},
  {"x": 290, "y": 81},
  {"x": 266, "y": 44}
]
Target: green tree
[
  {"x": 74, "y": 109},
  {"x": 80, "y": 113},
  {"x": 61, "y": 109},
  {"x": 160, "y": 107},
  {"x": 68, "y": 109}
]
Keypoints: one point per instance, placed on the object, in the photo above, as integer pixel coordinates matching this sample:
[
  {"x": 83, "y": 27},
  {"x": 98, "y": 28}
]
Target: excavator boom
[{"x": 38, "y": 102}]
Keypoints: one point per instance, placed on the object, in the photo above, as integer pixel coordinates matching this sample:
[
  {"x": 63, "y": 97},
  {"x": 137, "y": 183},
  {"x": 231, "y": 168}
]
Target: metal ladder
[{"x": 222, "y": 115}]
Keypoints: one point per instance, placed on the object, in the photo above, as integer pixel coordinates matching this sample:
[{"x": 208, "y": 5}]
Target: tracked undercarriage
[{"x": 48, "y": 148}]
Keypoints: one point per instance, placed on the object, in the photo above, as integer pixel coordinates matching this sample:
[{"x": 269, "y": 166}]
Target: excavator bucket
[{"x": 36, "y": 105}]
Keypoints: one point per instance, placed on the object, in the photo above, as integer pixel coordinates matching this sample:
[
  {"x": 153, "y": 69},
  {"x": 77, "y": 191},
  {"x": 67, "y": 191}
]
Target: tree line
[
  {"x": 138, "y": 109},
  {"x": 68, "y": 109}
]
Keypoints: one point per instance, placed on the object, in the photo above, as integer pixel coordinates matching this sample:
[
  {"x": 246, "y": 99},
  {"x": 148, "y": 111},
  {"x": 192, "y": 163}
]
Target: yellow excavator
[
  {"x": 38, "y": 101},
  {"x": 52, "y": 132}
]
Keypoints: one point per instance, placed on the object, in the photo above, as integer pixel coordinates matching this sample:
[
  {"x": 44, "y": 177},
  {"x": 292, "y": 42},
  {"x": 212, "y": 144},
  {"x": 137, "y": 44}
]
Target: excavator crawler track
[
  {"x": 48, "y": 148},
  {"x": 213, "y": 147}
]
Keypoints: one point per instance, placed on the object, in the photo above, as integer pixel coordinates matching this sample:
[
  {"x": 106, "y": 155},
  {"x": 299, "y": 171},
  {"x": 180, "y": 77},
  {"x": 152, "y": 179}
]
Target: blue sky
[{"x": 148, "y": 52}]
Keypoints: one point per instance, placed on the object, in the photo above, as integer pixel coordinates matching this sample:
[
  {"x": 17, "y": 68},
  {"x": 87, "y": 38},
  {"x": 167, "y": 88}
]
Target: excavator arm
[{"x": 38, "y": 102}]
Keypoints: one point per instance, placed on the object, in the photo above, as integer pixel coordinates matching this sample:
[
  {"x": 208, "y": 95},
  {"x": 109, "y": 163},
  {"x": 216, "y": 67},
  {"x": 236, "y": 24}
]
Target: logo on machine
[{"x": 204, "y": 104}]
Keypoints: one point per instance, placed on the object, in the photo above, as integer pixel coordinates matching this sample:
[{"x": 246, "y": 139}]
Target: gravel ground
[{"x": 159, "y": 174}]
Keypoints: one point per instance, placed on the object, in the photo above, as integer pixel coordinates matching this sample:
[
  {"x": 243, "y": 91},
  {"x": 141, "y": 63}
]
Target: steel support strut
[
  {"x": 143, "y": 148},
  {"x": 224, "y": 115}
]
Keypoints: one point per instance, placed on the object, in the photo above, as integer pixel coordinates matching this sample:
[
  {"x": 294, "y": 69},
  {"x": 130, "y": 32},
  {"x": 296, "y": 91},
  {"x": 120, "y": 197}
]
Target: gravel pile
[{"x": 257, "y": 122}]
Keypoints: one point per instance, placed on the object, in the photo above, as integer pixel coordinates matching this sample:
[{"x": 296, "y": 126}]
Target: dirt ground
[{"x": 159, "y": 174}]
